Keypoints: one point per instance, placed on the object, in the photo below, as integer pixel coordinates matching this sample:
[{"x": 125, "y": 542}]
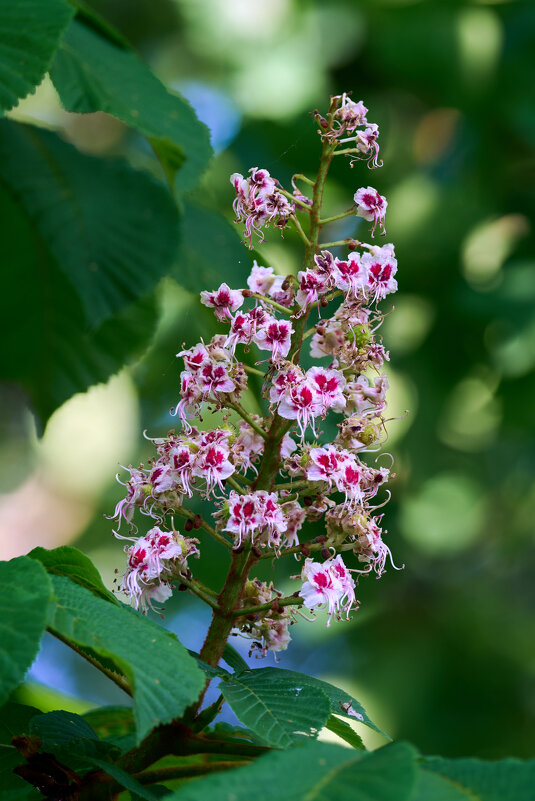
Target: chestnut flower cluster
[{"x": 266, "y": 476}]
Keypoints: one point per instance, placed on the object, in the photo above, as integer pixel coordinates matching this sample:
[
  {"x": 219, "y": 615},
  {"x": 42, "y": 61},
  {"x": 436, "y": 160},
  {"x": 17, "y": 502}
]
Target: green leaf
[
  {"x": 50, "y": 352},
  {"x": 313, "y": 772},
  {"x": 338, "y": 698},
  {"x": 69, "y": 736},
  {"x": 30, "y": 31},
  {"x": 71, "y": 739},
  {"x": 111, "y": 721},
  {"x": 14, "y": 721},
  {"x": 344, "y": 730},
  {"x": 70, "y": 562},
  {"x": 24, "y": 606},
  {"x": 163, "y": 676},
  {"x": 112, "y": 230},
  {"x": 92, "y": 74},
  {"x": 209, "y": 670},
  {"x": 276, "y": 711},
  {"x": 210, "y": 251},
  {"x": 475, "y": 780},
  {"x": 234, "y": 659}
]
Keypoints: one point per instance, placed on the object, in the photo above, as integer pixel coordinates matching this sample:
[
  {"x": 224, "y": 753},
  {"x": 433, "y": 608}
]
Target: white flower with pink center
[
  {"x": 326, "y": 464},
  {"x": 381, "y": 269},
  {"x": 182, "y": 463},
  {"x": 329, "y": 385},
  {"x": 263, "y": 281},
  {"x": 321, "y": 587},
  {"x": 224, "y": 301},
  {"x": 301, "y": 403},
  {"x": 244, "y": 517},
  {"x": 348, "y": 481},
  {"x": 312, "y": 284},
  {"x": 276, "y": 336},
  {"x": 153, "y": 561},
  {"x": 271, "y": 516},
  {"x": 137, "y": 487},
  {"x": 341, "y": 573},
  {"x": 213, "y": 466},
  {"x": 295, "y": 517},
  {"x": 242, "y": 329},
  {"x": 350, "y": 275},
  {"x": 247, "y": 448},
  {"x": 195, "y": 357},
  {"x": 351, "y": 113},
  {"x": 215, "y": 378},
  {"x": 366, "y": 397},
  {"x": 366, "y": 142},
  {"x": 374, "y": 551},
  {"x": 284, "y": 380},
  {"x": 371, "y": 206}
]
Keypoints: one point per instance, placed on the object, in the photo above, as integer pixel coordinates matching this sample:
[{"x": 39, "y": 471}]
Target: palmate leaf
[
  {"x": 314, "y": 772},
  {"x": 345, "y": 732},
  {"x": 91, "y": 74},
  {"x": 339, "y": 700},
  {"x": 24, "y": 606},
  {"x": 70, "y": 562},
  {"x": 475, "y": 780},
  {"x": 30, "y": 31},
  {"x": 279, "y": 713},
  {"x": 112, "y": 231},
  {"x": 164, "y": 678},
  {"x": 47, "y": 347}
]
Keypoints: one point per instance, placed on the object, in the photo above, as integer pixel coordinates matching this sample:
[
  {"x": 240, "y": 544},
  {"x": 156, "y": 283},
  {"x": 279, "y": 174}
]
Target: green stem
[
  {"x": 346, "y": 151},
  {"x": 299, "y": 176},
  {"x": 241, "y": 564},
  {"x": 293, "y": 199},
  {"x": 291, "y": 600},
  {"x": 338, "y": 243},
  {"x": 272, "y": 302},
  {"x": 196, "y": 590},
  {"x": 299, "y": 230},
  {"x": 246, "y": 416},
  {"x": 252, "y": 370},
  {"x": 235, "y": 486},
  {"x": 189, "y": 515},
  {"x": 348, "y": 213}
]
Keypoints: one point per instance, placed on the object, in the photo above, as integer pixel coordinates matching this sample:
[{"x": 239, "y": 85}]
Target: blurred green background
[{"x": 442, "y": 653}]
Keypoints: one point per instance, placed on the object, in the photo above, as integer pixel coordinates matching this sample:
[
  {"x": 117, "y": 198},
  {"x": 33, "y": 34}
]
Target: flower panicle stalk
[{"x": 266, "y": 476}]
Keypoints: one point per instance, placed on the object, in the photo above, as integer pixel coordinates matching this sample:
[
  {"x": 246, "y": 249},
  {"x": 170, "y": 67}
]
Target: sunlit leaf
[
  {"x": 24, "y": 606},
  {"x": 163, "y": 676},
  {"x": 92, "y": 74}
]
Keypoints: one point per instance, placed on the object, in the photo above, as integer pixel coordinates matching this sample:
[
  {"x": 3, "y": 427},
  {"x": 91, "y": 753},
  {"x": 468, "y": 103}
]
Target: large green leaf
[
  {"x": 314, "y": 772},
  {"x": 30, "y": 31},
  {"x": 339, "y": 700},
  {"x": 278, "y": 712},
  {"x": 24, "y": 605},
  {"x": 48, "y": 349},
  {"x": 113, "y": 231},
  {"x": 70, "y": 562},
  {"x": 475, "y": 780},
  {"x": 164, "y": 678},
  {"x": 92, "y": 74}
]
